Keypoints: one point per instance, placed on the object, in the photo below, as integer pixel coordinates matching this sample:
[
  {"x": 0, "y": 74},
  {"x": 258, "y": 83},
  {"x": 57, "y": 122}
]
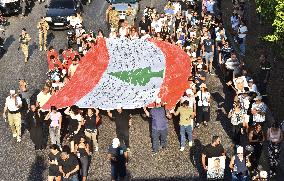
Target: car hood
[{"x": 60, "y": 12}]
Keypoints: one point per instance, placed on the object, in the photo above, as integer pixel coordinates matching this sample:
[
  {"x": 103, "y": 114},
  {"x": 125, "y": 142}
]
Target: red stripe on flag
[
  {"x": 178, "y": 69},
  {"x": 86, "y": 77}
]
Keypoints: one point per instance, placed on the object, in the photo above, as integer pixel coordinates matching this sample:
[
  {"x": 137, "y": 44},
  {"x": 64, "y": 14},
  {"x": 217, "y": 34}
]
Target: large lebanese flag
[{"x": 131, "y": 73}]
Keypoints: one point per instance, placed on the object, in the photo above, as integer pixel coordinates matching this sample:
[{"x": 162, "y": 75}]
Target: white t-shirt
[
  {"x": 123, "y": 32},
  {"x": 203, "y": 98},
  {"x": 241, "y": 33},
  {"x": 11, "y": 104},
  {"x": 42, "y": 98},
  {"x": 260, "y": 107},
  {"x": 157, "y": 25}
]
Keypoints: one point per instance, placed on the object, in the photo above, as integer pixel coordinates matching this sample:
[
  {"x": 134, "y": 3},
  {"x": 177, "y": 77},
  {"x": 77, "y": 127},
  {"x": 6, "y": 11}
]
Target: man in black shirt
[
  {"x": 91, "y": 126},
  {"x": 68, "y": 165},
  {"x": 208, "y": 51},
  {"x": 144, "y": 25},
  {"x": 264, "y": 74},
  {"x": 118, "y": 157},
  {"x": 215, "y": 149},
  {"x": 54, "y": 157},
  {"x": 122, "y": 121}
]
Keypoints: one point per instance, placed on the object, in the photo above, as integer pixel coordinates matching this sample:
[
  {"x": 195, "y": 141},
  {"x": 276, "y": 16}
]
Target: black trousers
[{"x": 123, "y": 137}]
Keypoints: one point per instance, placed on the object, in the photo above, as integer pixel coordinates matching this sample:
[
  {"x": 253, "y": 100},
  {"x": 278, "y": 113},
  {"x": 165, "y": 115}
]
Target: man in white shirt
[
  {"x": 13, "y": 105},
  {"x": 242, "y": 34}
]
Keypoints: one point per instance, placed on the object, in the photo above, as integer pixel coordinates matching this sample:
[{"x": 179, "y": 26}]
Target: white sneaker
[
  {"x": 14, "y": 135},
  {"x": 97, "y": 148},
  {"x": 19, "y": 139},
  {"x": 181, "y": 149},
  {"x": 190, "y": 143}
]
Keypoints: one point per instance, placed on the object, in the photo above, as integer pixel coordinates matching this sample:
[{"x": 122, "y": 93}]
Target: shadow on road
[
  {"x": 8, "y": 41},
  {"x": 36, "y": 172}
]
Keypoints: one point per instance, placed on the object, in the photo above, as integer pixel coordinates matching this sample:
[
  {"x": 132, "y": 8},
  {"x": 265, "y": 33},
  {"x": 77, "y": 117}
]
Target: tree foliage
[{"x": 273, "y": 11}]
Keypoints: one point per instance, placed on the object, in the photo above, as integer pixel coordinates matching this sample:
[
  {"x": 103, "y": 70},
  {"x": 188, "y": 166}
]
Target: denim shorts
[{"x": 208, "y": 56}]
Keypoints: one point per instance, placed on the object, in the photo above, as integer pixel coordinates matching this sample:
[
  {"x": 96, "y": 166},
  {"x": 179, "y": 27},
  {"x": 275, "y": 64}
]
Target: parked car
[
  {"x": 60, "y": 12},
  {"x": 10, "y": 7},
  {"x": 122, "y": 5}
]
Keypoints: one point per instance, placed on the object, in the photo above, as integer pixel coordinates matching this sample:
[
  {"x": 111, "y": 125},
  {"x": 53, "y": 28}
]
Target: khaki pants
[
  {"x": 93, "y": 137},
  {"x": 25, "y": 49},
  {"x": 42, "y": 40},
  {"x": 15, "y": 123}
]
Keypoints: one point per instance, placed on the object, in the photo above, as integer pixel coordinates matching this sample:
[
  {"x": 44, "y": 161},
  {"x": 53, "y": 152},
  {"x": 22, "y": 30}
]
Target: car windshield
[
  {"x": 61, "y": 4},
  {"x": 123, "y": 1}
]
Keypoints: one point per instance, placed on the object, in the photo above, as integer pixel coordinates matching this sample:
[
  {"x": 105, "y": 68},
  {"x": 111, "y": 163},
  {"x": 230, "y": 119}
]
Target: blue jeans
[
  {"x": 72, "y": 178},
  {"x": 156, "y": 134},
  {"x": 243, "y": 47},
  {"x": 240, "y": 178},
  {"x": 183, "y": 130}
]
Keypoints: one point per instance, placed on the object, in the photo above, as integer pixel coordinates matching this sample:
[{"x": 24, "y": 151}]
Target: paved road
[{"x": 22, "y": 163}]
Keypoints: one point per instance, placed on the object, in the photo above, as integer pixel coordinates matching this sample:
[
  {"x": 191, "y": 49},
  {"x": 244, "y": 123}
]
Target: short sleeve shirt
[
  {"x": 11, "y": 104},
  {"x": 121, "y": 120},
  {"x": 208, "y": 45},
  {"x": 159, "y": 119},
  {"x": 211, "y": 151},
  {"x": 69, "y": 164},
  {"x": 53, "y": 169},
  {"x": 54, "y": 117},
  {"x": 118, "y": 153},
  {"x": 185, "y": 113},
  {"x": 203, "y": 98},
  {"x": 42, "y": 98}
]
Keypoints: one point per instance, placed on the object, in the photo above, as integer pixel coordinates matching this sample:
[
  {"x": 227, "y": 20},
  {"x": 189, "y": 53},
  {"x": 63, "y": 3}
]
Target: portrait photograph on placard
[{"x": 216, "y": 168}]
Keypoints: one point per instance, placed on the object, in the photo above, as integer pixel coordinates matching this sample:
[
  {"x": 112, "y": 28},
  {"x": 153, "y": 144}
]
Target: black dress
[{"x": 35, "y": 127}]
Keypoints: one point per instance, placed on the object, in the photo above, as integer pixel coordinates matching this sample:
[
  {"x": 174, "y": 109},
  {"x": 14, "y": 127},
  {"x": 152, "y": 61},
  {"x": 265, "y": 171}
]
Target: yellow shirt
[{"x": 185, "y": 113}]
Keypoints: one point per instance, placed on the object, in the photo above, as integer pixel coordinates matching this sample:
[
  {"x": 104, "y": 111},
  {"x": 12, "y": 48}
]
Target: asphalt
[{"x": 21, "y": 163}]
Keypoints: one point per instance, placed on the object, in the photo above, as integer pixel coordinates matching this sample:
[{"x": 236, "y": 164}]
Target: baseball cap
[{"x": 240, "y": 149}]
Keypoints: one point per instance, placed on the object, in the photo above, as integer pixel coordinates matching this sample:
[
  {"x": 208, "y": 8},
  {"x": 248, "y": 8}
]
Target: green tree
[{"x": 273, "y": 11}]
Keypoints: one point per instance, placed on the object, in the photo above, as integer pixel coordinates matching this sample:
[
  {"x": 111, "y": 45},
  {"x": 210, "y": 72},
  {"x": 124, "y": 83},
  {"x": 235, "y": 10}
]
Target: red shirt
[
  {"x": 68, "y": 56},
  {"x": 51, "y": 64},
  {"x": 52, "y": 52}
]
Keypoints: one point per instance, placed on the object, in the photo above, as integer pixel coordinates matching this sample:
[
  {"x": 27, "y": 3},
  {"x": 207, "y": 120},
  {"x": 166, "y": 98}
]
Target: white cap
[
  {"x": 12, "y": 92},
  {"x": 188, "y": 47},
  {"x": 115, "y": 142},
  {"x": 240, "y": 149},
  {"x": 143, "y": 31},
  {"x": 193, "y": 54},
  {"x": 119, "y": 106},
  {"x": 189, "y": 91},
  {"x": 158, "y": 100},
  {"x": 263, "y": 174}
]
